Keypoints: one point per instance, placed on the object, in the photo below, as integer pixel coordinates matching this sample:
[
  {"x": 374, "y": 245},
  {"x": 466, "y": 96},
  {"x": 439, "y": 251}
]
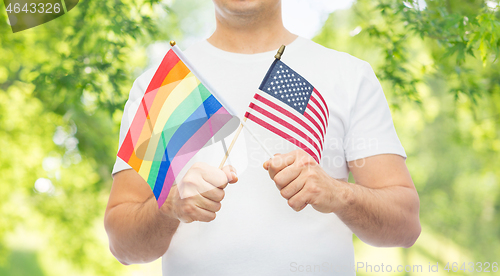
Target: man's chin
[{"x": 244, "y": 7}]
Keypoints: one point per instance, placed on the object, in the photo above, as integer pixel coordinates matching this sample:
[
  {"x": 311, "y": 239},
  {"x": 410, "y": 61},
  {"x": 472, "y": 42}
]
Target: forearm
[
  {"x": 381, "y": 217},
  {"x": 138, "y": 231},
  {"x": 381, "y": 209}
]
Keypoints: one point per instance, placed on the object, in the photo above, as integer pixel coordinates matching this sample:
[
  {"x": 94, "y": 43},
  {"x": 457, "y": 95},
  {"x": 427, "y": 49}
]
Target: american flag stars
[{"x": 285, "y": 85}]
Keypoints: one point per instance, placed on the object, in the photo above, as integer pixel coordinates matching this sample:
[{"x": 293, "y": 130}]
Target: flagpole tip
[
  {"x": 172, "y": 43},
  {"x": 280, "y": 52}
]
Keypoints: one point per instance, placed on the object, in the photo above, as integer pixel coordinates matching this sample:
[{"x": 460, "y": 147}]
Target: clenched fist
[
  {"x": 197, "y": 197},
  {"x": 302, "y": 181}
]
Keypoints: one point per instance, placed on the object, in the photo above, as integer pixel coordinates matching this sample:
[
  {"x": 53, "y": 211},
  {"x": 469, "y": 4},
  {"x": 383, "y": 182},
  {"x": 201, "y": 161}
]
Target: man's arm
[
  {"x": 138, "y": 231},
  {"x": 384, "y": 210},
  {"x": 381, "y": 208}
]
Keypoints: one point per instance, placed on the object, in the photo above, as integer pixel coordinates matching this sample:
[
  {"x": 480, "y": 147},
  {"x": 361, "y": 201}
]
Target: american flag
[{"x": 288, "y": 105}]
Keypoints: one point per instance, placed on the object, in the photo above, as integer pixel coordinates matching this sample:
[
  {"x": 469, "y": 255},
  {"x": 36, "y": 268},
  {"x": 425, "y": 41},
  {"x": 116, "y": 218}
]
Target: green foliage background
[{"x": 63, "y": 86}]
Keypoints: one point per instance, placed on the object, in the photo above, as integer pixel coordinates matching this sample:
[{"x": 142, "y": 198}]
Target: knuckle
[
  {"x": 311, "y": 175},
  {"x": 284, "y": 193},
  {"x": 310, "y": 161},
  {"x": 190, "y": 178},
  {"x": 221, "y": 185},
  {"x": 313, "y": 188},
  {"x": 306, "y": 173},
  {"x": 219, "y": 177},
  {"x": 294, "y": 204},
  {"x": 188, "y": 209},
  {"x": 218, "y": 206},
  {"x": 289, "y": 159},
  {"x": 278, "y": 180},
  {"x": 209, "y": 217},
  {"x": 280, "y": 185},
  {"x": 307, "y": 161},
  {"x": 281, "y": 180},
  {"x": 196, "y": 167}
]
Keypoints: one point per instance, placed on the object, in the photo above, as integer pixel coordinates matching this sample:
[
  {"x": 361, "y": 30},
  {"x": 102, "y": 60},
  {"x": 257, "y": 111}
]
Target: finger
[
  {"x": 188, "y": 211},
  {"x": 231, "y": 174},
  {"x": 189, "y": 185},
  {"x": 299, "y": 201},
  {"x": 285, "y": 176},
  {"x": 267, "y": 163},
  {"x": 293, "y": 187},
  {"x": 193, "y": 184},
  {"x": 204, "y": 187},
  {"x": 208, "y": 205},
  {"x": 215, "y": 176},
  {"x": 279, "y": 162},
  {"x": 204, "y": 215},
  {"x": 215, "y": 194}
]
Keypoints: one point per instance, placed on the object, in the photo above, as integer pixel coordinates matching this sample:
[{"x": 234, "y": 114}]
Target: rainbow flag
[{"x": 176, "y": 118}]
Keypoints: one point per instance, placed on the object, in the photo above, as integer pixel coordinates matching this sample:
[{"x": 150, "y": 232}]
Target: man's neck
[{"x": 250, "y": 36}]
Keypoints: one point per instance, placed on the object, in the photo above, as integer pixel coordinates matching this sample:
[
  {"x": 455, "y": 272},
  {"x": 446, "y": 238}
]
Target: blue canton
[{"x": 286, "y": 85}]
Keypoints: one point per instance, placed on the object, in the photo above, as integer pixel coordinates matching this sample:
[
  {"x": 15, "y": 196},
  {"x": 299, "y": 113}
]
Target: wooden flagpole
[{"x": 231, "y": 145}]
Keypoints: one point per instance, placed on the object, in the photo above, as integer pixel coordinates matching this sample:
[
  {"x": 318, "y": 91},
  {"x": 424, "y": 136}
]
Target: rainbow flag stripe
[{"x": 176, "y": 118}]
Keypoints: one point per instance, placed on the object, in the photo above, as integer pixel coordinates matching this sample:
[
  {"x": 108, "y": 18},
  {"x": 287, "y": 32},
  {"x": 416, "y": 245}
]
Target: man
[{"x": 265, "y": 226}]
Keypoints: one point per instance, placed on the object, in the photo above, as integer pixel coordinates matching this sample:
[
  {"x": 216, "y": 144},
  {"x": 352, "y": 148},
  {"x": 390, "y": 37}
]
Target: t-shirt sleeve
[
  {"x": 136, "y": 93},
  {"x": 370, "y": 130}
]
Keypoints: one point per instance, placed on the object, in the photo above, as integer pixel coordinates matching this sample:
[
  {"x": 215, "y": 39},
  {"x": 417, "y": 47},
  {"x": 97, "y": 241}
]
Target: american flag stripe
[
  {"x": 313, "y": 99},
  {"x": 314, "y": 102},
  {"x": 283, "y": 109},
  {"x": 288, "y": 124},
  {"x": 318, "y": 116},
  {"x": 322, "y": 101},
  {"x": 313, "y": 121},
  {"x": 283, "y": 123},
  {"x": 286, "y": 136},
  {"x": 315, "y": 113},
  {"x": 316, "y": 120}
]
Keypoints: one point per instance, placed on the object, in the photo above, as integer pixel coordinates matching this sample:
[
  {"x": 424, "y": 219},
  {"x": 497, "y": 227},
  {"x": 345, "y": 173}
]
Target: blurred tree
[{"x": 463, "y": 30}]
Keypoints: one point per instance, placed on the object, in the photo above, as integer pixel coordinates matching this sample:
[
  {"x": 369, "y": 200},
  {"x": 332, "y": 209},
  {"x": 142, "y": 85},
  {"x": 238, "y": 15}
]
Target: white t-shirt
[{"x": 256, "y": 232}]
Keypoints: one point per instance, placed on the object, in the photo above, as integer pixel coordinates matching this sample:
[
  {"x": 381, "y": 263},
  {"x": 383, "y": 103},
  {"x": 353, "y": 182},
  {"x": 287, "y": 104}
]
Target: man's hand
[
  {"x": 138, "y": 231},
  {"x": 302, "y": 181},
  {"x": 197, "y": 197},
  {"x": 381, "y": 208}
]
